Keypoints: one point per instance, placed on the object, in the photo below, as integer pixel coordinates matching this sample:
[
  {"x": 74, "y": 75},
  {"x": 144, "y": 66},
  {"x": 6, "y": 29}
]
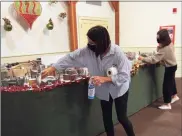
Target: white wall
[
  {"x": 140, "y": 21},
  {"x": 38, "y": 41}
]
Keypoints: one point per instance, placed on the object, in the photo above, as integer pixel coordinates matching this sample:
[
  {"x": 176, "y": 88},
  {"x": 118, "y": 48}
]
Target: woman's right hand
[{"x": 50, "y": 71}]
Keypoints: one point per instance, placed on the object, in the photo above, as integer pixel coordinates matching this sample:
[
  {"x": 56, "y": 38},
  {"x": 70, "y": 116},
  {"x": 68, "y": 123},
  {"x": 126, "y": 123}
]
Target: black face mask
[
  {"x": 95, "y": 49},
  {"x": 158, "y": 40},
  {"x": 92, "y": 47}
]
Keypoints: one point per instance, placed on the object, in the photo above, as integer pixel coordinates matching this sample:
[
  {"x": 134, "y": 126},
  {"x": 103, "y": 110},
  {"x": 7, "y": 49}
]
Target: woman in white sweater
[{"x": 165, "y": 54}]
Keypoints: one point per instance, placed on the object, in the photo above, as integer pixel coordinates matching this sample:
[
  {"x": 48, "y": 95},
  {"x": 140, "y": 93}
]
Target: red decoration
[
  {"x": 174, "y": 10},
  {"x": 171, "y": 30},
  {"x": 35, "y": 88},
  {"x": 29, "y": 10}
]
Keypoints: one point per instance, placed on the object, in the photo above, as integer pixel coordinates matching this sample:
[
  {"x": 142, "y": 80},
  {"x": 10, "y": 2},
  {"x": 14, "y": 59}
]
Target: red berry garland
[{"x": 36, "y": 88}]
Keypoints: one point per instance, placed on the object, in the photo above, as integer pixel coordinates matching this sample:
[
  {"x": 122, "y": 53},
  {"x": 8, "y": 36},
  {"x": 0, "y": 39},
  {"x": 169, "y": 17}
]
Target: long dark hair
[
  {"x": 163, "y": 37},
  {"x": 100, "y": 36}
]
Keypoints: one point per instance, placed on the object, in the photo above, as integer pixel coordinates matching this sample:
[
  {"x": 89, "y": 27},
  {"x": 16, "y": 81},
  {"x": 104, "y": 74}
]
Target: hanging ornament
[
  {"x": 29, "y": 10},
  {"x": 62, "y": 15},
  {"x": 50, "y": 25},
  {"x": 52, "y": 2},
  {"x": 7, "y": 24}
]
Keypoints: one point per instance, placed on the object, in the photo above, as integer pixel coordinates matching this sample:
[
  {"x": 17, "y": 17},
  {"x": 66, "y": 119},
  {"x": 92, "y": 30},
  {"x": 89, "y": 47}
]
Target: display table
[{"x": 66, "y": 111}]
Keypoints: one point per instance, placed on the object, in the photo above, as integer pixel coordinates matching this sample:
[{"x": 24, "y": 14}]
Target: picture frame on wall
[{"x": 171, "y": 30}]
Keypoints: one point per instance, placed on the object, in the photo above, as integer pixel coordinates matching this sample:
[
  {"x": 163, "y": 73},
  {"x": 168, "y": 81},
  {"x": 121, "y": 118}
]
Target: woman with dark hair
[
  {"x": 165, "y": 54},
  {"x": 98, "y": 56}
]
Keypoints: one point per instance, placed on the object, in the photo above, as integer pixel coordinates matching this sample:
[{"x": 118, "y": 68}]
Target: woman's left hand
[
  {"x": 98, "y": 80},
  {"x": 140, "y": 58}
]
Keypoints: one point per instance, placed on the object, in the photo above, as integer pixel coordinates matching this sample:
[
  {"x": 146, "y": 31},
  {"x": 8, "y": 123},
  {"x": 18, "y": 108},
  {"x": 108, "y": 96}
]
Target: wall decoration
[
  {"x": 50, "y": 25},
  {"x": 52, "y": 2},
  {"x": 7, "y": 24},
  {"x": 62, "y": 15},
  {"x": 171, "y": 31},
  {"x": 29, "y": 10}
]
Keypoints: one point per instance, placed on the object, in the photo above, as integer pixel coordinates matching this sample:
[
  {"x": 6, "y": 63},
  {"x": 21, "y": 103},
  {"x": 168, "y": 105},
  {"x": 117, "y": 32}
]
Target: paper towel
[{"x": 112, "y": 71}]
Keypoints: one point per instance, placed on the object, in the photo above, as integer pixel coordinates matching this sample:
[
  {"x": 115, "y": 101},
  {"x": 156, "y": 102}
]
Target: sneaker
[
  {"x": 174, "y": 99},
  {"x": 165, "y": 107}
]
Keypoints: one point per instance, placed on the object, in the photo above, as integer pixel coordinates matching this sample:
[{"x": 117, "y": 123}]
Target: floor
[{"x": 154, "y": 122}]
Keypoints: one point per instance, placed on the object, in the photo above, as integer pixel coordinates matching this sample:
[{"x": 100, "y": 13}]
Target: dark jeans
[
  {"x": 169, "y": 84},
  {"x": 121, "y": 110}
]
